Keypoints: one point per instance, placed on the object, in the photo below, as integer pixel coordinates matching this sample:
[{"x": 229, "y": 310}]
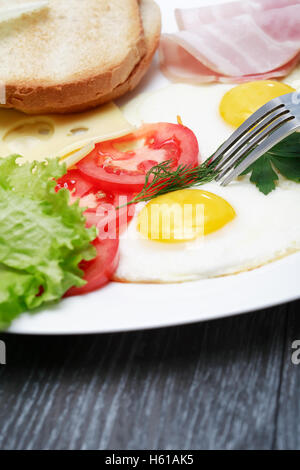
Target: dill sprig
[
  {"x": 285, "y": 157},
  {"x": 162, "y": 179}
]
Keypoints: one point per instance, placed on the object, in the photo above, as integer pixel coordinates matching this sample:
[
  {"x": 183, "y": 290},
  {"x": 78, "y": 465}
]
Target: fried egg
[
  {"x": 210, "y": 230},
  {"x": 241, "y": 101},
  {"x": 253, "y": 230}
]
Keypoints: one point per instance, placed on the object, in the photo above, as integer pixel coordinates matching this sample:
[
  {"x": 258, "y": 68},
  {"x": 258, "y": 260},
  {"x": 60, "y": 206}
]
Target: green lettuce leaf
[{"x": 43, "y": 238}]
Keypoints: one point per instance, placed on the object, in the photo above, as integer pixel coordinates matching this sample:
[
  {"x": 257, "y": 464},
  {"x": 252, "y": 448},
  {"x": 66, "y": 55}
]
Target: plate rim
[{"x": 269, "y": 281}]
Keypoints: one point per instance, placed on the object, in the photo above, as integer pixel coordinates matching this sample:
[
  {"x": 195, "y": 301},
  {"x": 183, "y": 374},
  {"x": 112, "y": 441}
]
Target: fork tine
[
  {"x": 248, "y": 136},
  {"x": 253, "y": 120},
  {"x": 273, "y": 139},
  {"x": 252, "y": 143}
]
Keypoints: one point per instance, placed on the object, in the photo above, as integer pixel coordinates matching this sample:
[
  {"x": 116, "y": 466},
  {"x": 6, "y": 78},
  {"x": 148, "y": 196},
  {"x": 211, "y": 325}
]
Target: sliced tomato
[
  {"x": 120, "y": 165},
  {"x": 75, "y": 182},
  {"x": 101, "y": 207},
  {"x": 102, "y": 211},
  {"x": 99, "y": 271},
  {"x": 109, "y": 220}
]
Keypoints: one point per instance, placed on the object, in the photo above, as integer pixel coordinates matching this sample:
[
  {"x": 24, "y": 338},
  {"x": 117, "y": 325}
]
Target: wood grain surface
[{"x": 226, "y": 384}]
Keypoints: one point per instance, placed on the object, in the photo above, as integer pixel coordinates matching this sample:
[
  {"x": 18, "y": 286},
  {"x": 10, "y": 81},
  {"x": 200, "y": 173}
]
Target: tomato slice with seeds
[
  {"x": 101, "y": 207},
  {"x": 75, "y": 182},
  {"x": 102, "y": 211},
  {"x": 99, "y": 271},
  {"x": 109, "y": 220},
  {"x": 121, "y": 165}
]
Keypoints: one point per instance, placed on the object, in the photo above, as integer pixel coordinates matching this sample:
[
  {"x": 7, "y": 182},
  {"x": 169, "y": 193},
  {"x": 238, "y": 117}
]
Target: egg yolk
[
  {"x": 243, "y": 100},
  {"x": 184, "y": 215}
]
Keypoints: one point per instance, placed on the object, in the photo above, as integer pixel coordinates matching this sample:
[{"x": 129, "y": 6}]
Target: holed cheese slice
[{"x": 49, "y": 136}]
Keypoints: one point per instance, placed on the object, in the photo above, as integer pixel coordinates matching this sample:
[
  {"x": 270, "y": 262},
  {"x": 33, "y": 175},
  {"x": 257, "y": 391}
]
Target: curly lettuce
[{"x": 43, "y": 237}]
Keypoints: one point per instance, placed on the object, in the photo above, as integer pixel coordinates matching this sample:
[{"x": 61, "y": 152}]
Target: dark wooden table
[{"x": 226, "y": 384}]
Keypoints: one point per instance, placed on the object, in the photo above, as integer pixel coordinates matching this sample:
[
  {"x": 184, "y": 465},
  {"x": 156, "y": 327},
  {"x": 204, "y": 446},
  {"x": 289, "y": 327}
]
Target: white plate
[{"x": 123, "y": 307}]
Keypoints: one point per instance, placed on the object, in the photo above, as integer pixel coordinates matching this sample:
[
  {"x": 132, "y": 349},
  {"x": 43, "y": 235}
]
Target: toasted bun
[
  {"x": 68, "y": 56},
  {"x": 151, "y": 17}
]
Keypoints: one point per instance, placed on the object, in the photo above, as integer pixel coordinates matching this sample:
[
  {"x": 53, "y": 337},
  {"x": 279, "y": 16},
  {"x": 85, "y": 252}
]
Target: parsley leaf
[
  {"x": 263, "y": 175},
  {"x": 284, "y": 157},
  {"x": 288, "y": 167}
]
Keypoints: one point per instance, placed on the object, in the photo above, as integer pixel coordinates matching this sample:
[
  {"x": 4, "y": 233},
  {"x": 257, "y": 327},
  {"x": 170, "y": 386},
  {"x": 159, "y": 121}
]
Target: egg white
[
  {"x": 198, "y": 107},
  {"x": 266, "y": 228},
  {"x": 293, "y": 79}
]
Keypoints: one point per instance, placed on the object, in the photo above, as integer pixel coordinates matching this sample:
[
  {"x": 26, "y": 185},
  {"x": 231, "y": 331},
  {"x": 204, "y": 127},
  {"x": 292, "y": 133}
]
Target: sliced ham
[
  {"x": 260, "y": 45},
  {"x": 283, "y": 24},
  {"x": 191, "y": 19},
  {"x": 184, "y": 68}
]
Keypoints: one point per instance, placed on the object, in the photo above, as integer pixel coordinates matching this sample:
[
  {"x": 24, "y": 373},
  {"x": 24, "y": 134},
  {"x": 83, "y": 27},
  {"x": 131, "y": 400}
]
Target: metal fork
[{"x": 272, "y": 123}]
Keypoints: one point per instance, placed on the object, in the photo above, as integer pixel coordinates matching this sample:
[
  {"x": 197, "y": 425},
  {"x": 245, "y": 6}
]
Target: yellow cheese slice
[
  {"x": 72, "y": 158},
  {"x": 40, "y": 137}
]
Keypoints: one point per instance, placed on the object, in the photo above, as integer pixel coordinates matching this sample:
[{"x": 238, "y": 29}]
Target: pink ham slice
[
  {"x": 265, "y": 44},
  {"x": 191, "y": 19},
  {"x": 184, "y": 68}
]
